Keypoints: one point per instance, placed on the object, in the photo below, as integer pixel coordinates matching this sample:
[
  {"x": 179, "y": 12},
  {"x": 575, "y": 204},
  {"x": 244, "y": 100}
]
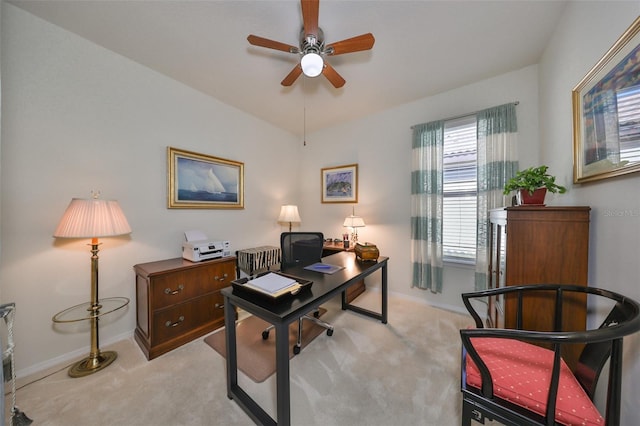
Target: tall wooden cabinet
[
  {"x": 543, "y": 245},
  {"x": 178, "y": 301}
]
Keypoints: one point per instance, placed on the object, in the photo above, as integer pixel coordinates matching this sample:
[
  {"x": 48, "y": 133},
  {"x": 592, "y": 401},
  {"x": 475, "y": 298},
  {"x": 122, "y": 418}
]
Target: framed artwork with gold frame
[
  {"x": 606, "y": 113},
  {"x": 339, "y": 184},
  {"x": 199, "y": 181}
]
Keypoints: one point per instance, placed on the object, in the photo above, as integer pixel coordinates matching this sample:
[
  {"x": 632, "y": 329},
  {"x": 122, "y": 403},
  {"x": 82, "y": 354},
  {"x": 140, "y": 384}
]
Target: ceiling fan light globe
[{"x": 312, "y": 64}]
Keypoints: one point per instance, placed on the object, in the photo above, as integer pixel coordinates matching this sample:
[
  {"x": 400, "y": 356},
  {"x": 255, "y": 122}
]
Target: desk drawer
[
  {"x": 178, "y": 301},
  {"x": 180, "y": 319},
  {"x": 177, "y": 287}
]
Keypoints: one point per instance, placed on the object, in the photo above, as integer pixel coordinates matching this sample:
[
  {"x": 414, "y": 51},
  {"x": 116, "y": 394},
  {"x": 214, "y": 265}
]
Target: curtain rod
[{"x": 464, "y": 115}]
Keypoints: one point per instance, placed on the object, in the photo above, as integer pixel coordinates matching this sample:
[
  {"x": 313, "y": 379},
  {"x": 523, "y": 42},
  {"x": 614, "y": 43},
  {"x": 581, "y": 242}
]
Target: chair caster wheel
[
  {"x": 330, "y": 332},
  {"x": 296, "y": 349},
  {"x": 265, "y": 335}
]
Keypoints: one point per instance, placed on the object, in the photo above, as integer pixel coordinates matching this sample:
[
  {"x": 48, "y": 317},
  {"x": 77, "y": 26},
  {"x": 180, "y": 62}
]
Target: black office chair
[{"x": 301, "y": 249}]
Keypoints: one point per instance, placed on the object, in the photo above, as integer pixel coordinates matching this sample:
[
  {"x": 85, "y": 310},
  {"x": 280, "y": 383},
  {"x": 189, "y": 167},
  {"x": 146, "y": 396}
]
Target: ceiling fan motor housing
[{"x": 309, "y": 43}]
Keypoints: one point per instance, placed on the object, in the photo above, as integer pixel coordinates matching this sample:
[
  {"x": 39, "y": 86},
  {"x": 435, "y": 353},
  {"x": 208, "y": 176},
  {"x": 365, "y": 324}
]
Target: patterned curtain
[
  {"x": 497, "y": 163},
  {"x": 426, "y": 205}
]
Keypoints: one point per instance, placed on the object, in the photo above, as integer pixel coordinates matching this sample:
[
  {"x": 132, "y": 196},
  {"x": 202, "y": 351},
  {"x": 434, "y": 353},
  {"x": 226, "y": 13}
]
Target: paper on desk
[
  {"x": 292, "y": 289},
  {"x": 272, "y": 283}
]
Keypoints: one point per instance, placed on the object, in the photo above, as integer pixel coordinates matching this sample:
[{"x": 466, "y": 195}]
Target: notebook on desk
[{"x": 325, "y": 268}]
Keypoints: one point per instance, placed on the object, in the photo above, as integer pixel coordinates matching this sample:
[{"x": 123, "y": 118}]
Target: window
[{"x": 460, "y": 190}]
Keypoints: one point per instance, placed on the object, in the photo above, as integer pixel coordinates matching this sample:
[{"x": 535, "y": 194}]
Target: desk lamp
[
  {"x": 93, "y": 218},
  {"x": 354, "y": 222},
  {"x": 289, "y": 214}
]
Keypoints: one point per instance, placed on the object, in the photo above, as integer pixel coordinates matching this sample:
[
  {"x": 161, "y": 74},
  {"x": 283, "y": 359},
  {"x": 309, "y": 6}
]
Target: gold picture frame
[
  {"x": 605, "y": 143},
  {"x": 199, "y": 181},
  {"x": 339, "y": 184}
]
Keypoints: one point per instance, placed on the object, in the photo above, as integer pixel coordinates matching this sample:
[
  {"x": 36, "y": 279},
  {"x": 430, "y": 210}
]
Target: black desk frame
[{"x": 325, "y": 287}]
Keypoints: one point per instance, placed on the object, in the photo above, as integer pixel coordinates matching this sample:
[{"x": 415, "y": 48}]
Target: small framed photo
[
  {"x": 606, "y": 107},
  {"x": 198, "y": 181},
  {"x": 340, "y": 184}
]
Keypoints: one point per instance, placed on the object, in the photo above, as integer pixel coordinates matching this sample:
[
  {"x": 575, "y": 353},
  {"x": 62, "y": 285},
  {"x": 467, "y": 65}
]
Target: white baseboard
[
  {"x": 421, "y": 301},
  {"x": 69, "y": 357},
  {"x": 446, "y": 307}
]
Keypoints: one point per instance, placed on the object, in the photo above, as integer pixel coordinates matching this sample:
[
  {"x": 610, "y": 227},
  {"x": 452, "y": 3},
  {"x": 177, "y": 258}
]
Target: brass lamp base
[{"x": 92, "y": 364}]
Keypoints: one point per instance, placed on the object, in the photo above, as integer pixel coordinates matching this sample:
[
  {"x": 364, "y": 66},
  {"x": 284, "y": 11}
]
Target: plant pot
[{"x": 535, "y": 199}]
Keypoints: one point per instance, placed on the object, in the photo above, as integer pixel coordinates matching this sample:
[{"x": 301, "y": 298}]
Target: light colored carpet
[
  {"x": 404, "y": 373},
  {"x": 256, "y": 356}
]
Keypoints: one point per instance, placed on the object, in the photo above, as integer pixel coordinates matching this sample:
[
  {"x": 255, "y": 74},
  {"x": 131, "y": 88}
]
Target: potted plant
[{"x": 531, "y": 185}]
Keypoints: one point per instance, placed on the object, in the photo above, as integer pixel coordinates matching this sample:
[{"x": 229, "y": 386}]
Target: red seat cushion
[{"x": 521, "y": 374}]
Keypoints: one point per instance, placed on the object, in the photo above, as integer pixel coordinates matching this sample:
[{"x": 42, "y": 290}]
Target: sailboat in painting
[
  {"x": 210, "y": 189},
  {"x": 214, "y": 186}
]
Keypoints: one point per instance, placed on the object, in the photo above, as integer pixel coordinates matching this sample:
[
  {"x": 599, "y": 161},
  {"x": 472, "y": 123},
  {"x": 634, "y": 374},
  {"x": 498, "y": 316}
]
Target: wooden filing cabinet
[{"x": 178, "y": 301}]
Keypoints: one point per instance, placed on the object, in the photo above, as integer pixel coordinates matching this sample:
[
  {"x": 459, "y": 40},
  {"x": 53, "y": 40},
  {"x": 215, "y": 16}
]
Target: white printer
[{"x": 198, "y": 247}]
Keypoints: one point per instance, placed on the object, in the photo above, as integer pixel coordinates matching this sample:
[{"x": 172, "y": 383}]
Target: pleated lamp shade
[
  {"x": 92, "y": 218},
  {"x": 353, "y": 222},
  {"x": 289, "y": 214}
]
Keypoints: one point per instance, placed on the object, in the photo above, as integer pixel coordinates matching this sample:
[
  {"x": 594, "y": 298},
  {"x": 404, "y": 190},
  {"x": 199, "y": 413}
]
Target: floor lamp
[
  {"x": 92, "y": 218},
  {"x": 289, "y": 214}
]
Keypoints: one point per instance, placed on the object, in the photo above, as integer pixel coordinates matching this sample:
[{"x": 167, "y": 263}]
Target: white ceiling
[{"x": 422, "y": 48}]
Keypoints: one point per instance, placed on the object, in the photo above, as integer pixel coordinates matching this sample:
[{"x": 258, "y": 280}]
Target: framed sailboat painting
[{"x": 198, "y": 181}]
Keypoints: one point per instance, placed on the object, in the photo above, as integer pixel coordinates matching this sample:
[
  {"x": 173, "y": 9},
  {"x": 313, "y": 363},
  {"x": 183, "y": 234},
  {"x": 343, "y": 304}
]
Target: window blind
[{"x": 460, "y": 190}]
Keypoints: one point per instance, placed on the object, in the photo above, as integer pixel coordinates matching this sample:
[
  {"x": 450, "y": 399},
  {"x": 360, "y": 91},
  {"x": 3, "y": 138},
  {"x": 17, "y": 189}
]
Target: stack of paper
[{"x": 273, "y": 284}]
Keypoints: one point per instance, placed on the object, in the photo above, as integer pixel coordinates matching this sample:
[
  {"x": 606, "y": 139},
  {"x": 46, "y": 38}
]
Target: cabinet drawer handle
[
  {"x": 224, "y": 277},
  {"x": 173, "y": 292},
  {"x": 219, "y": 306},
  {"x": 174, "y": 324}
]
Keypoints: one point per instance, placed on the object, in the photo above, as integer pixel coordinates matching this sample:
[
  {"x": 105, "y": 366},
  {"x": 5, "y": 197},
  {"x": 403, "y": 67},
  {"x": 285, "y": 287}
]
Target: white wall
[
  {"x": 78, "y": 117},
  {"x": 585, "y": 33},
  {"x": 381, "y": 145}
]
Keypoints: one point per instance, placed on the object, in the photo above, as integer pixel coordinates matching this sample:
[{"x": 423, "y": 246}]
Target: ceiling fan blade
[
  {"x": 271, "y": 44},
  {"x": 310, "y": 11},
  {"x": 333, "y": 76},
  {"x": 292, "y": 76},
  {"x": 354, "y": 44}
]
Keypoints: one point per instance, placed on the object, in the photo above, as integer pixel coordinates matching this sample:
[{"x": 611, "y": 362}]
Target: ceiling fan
[{"x": 312, "y": 49}]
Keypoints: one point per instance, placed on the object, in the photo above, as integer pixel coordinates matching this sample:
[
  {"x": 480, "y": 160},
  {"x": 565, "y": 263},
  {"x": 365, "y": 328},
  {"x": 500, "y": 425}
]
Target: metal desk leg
[
  {"x": 234, "y": 391},
  {"x": 283, "y": 385},
  {"x": 232, "y": 350},
  {"x": 384, "y": 294},
  {"x": 382, "y": 316}
]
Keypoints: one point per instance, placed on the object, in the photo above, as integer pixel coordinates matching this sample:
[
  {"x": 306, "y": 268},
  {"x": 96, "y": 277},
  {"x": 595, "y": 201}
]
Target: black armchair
[{"x": 518, "y": 377}]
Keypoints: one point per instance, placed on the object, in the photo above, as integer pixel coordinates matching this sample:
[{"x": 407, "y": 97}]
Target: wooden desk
[
  {"x": 331, "y": 248},
  {"x": 281, "y": 315}
]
